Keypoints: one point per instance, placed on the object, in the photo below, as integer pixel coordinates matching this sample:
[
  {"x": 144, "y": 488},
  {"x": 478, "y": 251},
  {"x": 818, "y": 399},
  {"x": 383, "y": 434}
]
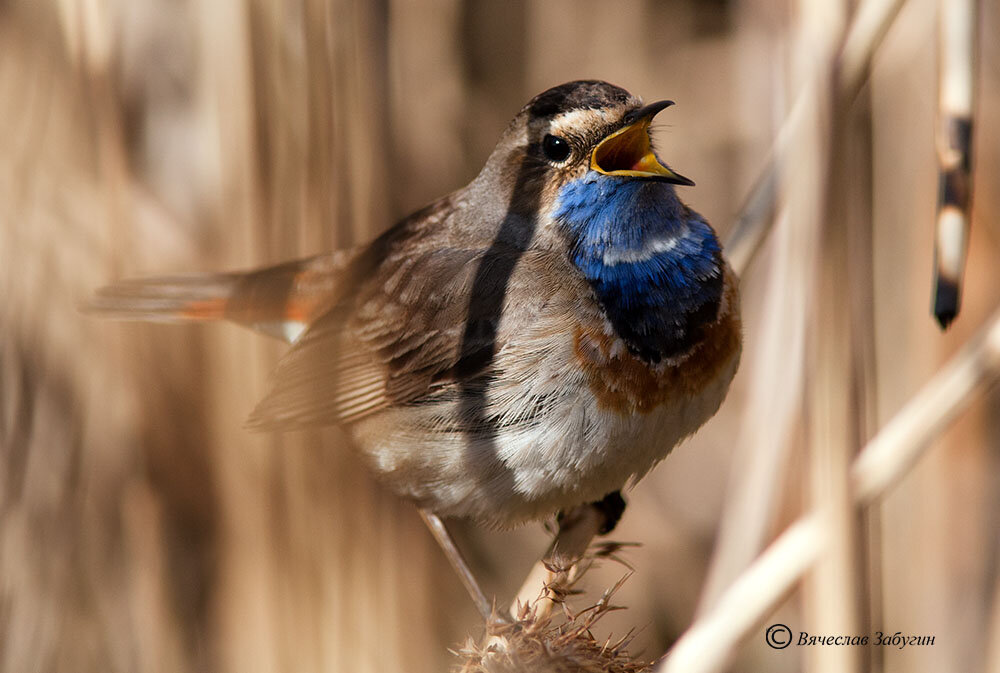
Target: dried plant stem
[
  {"x": 771, "y": 415},
  {"x": 710, "y": 641},
  {"x": 831, "y": 603},
  {"x": 88, "y": 33},
  {"x": 901, "y": 442},
  {"x": 993, "y": 633},
  {"x": 748, "y": 513},
  {"x": 577, "y": 528},
  {"x": 869, "y": 25},
  {"x": 957, "y": 92}
]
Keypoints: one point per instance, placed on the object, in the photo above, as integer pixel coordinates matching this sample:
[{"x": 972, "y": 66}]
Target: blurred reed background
[{"x": 142, "y": 529}]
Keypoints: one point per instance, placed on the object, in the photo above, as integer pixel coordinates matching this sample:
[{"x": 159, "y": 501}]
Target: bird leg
[
  {"x": 557, "y": 568},
  {"x": 451, "y": 550}
]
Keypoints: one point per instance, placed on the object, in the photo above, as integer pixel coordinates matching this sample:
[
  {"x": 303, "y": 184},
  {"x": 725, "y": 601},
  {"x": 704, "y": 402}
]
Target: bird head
[
  {"x": 577, "y": 173},
  {"x": 580, "y": 128}
]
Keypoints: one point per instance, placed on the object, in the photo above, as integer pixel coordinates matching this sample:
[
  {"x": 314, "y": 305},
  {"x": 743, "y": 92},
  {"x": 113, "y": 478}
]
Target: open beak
[{"x": 627, "y": 151}]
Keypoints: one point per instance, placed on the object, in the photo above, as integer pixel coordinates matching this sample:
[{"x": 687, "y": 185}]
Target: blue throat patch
[{"x": 655, "y": 265}]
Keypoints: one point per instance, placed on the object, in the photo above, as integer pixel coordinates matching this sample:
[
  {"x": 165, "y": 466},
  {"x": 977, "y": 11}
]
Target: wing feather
[{"x": 404, "y": 335}]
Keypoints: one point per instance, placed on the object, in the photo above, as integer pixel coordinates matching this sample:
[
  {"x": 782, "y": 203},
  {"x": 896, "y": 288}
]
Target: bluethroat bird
[{"x": 530, "y": 342}]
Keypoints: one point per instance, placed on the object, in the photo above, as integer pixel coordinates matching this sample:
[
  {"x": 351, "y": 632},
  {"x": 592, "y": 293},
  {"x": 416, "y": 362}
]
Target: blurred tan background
[{"x": 142, "y": 529}]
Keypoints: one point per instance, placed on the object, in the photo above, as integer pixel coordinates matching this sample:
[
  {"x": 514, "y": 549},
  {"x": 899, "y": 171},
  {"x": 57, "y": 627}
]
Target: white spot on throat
[{"x": 651, "y": 247}]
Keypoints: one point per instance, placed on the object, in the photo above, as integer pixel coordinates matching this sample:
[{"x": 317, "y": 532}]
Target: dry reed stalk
[
  {"x": 314, "y": 556},
  {"x": 88, "y": 29},
  {"x": 86, "y": 557},
  {"x": 992, "y": 653},
  {"x": 857, "y": 208},
  {"x": 709, "y": 643},
  {"x": 769, "y": 418},
  {"x": 159, "y": 645},
  {"x": 557, "y": 569},
  {"x": 822, "y": 185},
  {"x": 868, "y": 27},
  {"x": 771, "y": 413},
  {"x": 957, "y": 98}
]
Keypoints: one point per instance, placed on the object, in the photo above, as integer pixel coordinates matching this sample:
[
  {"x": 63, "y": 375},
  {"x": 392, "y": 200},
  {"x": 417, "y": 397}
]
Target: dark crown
[{"x": 579, "y": 95}]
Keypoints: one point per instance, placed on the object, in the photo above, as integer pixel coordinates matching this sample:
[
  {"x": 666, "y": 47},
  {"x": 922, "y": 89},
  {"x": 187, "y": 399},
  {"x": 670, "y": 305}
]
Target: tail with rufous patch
[{"x": 279, "y": 301}]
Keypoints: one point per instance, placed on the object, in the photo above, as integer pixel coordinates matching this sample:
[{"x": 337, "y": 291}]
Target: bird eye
[{"x": 555, "y": 148}]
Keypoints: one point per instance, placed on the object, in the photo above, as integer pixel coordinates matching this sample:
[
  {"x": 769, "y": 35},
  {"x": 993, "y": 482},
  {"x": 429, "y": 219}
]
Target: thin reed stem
[
  {"x": 957, "y": 94},
  {"x": 709, "y": 643},
  {"x": 867, "y": 29}
]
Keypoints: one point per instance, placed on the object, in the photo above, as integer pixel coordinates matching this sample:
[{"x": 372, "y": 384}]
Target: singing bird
[{"x": 528, "y": 343}]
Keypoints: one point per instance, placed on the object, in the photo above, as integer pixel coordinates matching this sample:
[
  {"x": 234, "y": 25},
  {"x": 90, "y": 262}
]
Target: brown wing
[{"x": 409, "y": 330}]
